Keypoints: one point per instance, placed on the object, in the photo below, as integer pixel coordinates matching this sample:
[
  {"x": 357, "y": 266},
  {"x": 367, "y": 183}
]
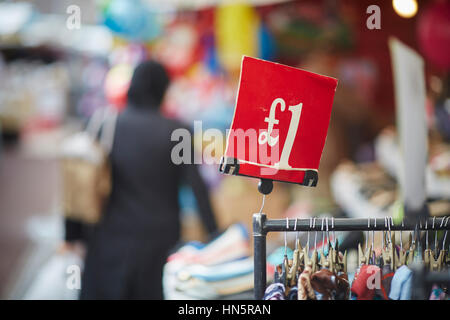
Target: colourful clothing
[
  {"x": 437, "y": 293},
  {"x": 275, "y": 291},
  {"x": 365, "y": 283},
  {"x": 401, "y": 284}
]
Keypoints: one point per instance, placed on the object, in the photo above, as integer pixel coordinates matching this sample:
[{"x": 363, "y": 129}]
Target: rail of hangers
[
  {"x": 349, "y": 224},
  {"x": 261, "y": 226}
]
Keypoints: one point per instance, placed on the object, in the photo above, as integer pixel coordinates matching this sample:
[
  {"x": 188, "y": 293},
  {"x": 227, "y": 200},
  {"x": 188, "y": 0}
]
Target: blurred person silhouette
[{"x": 127, "y": 249}]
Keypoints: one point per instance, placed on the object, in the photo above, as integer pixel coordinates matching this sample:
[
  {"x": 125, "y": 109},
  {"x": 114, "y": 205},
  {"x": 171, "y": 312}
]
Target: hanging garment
[
  {"x": 322, "y": 282},
  {"x": 401, "y": 284},
  {"x": 386, "y": 278},
  {"x": 437, "y": 293},
  {"x": 305, "y": 290},
  {"x": 329, "y": 285},
  {"x": 293, "y": 294},
  {"x": 343, "y": 286},
  {"x": 365, "y": 282},
  {"x": 275, "y": 292}
]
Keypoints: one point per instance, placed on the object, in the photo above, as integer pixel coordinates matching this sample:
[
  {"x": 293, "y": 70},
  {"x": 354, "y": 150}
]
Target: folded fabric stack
[
  {"x": 437, "y": 172},
  {"x": 364, "y": 190},
  {"x": 371, "y": 189},
  {"x": 221, "y": 269}
]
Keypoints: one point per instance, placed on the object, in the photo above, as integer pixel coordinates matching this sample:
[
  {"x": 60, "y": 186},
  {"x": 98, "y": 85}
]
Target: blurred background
[{"x": 60, "y": 60}]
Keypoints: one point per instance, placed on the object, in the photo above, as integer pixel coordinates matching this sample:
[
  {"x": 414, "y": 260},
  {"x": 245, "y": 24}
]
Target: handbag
[{"x": 86, "y": 168}]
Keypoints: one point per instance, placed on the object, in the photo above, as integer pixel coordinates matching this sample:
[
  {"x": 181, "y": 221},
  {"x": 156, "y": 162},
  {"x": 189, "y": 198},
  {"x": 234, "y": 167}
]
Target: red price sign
[{"x": 280, "y": 123}]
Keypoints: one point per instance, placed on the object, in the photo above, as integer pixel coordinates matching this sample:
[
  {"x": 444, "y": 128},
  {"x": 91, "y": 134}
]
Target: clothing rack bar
[
  {"x": 262, "y": 226},
  {"x": 348, "y": 224}
]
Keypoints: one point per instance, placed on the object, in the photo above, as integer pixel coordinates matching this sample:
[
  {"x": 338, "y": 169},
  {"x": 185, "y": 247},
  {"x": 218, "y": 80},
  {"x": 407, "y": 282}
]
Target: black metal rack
[{"x": 262, "y": 226}]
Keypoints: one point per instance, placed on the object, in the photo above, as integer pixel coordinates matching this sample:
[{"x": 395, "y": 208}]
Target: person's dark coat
[{"x": 141, "y": 222}]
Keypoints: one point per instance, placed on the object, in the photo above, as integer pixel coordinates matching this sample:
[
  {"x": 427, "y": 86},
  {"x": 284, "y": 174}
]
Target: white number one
[{"x": 293, "y": 127}]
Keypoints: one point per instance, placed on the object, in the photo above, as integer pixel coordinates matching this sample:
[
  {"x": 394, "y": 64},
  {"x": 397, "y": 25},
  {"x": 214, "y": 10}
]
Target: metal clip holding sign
[{"x": 280, "y": 124}]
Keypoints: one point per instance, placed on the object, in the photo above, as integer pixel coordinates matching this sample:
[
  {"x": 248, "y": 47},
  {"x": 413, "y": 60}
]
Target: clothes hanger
[
  {"x": 306, "y": 257},
  {"x": 427, "y": 252},
  {"x": 446, "y": 257},
  {"x": 412, "y": 247},
  {"x": 364, "y": 256},
  {"x": 292, "y": 275},
  {"x": 301, "y": 257},
  {"x": 332, "y": 280},
  {"x": 294, "y": 261},
  {"x": 285, "y": 266},
  {"x": 419, "y": 256},
  {"x": 367, "y": 249},
  {"x": 321, "y": 280},
  {"x": 324, "y": 260},
  {"x": 280, "y": 275},
  {"x": 403, "y": 254},
  {"x": 387, "y": 251},
  {"x": 392, "y": 244},
  {"x": 383, "y": 245},
  {"x": 340, "y": 263},
  {"x": 435, "y": 261},
  {"x": 340, "y": 269},
  {"x": 372, "y": 259},
  {"x": 314, "y": 256},
  {"x": 331, "y": 249},
  {"x": 305, "y": 290},
  {"x": 323, "y": 263},
  {"x": 335, "y": 240},
  {"x": 435, "y": 239}
]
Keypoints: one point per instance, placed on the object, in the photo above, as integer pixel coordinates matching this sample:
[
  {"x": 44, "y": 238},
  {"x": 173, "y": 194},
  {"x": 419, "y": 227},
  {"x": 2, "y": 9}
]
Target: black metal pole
[
  {"x": 349, "y": 224},
  {"x": 259, "y": 242}
]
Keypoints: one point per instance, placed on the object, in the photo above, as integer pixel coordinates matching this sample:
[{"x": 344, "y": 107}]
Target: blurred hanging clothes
[
  {"x": 386, "y": 278},
  {"x": 401, "y": 285},
  {"x": 275, "y": 291},
  {"x": 367, "y": 274},
  {"x": 437, "y": 293},
  {"x": 140, "y": 224}
]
